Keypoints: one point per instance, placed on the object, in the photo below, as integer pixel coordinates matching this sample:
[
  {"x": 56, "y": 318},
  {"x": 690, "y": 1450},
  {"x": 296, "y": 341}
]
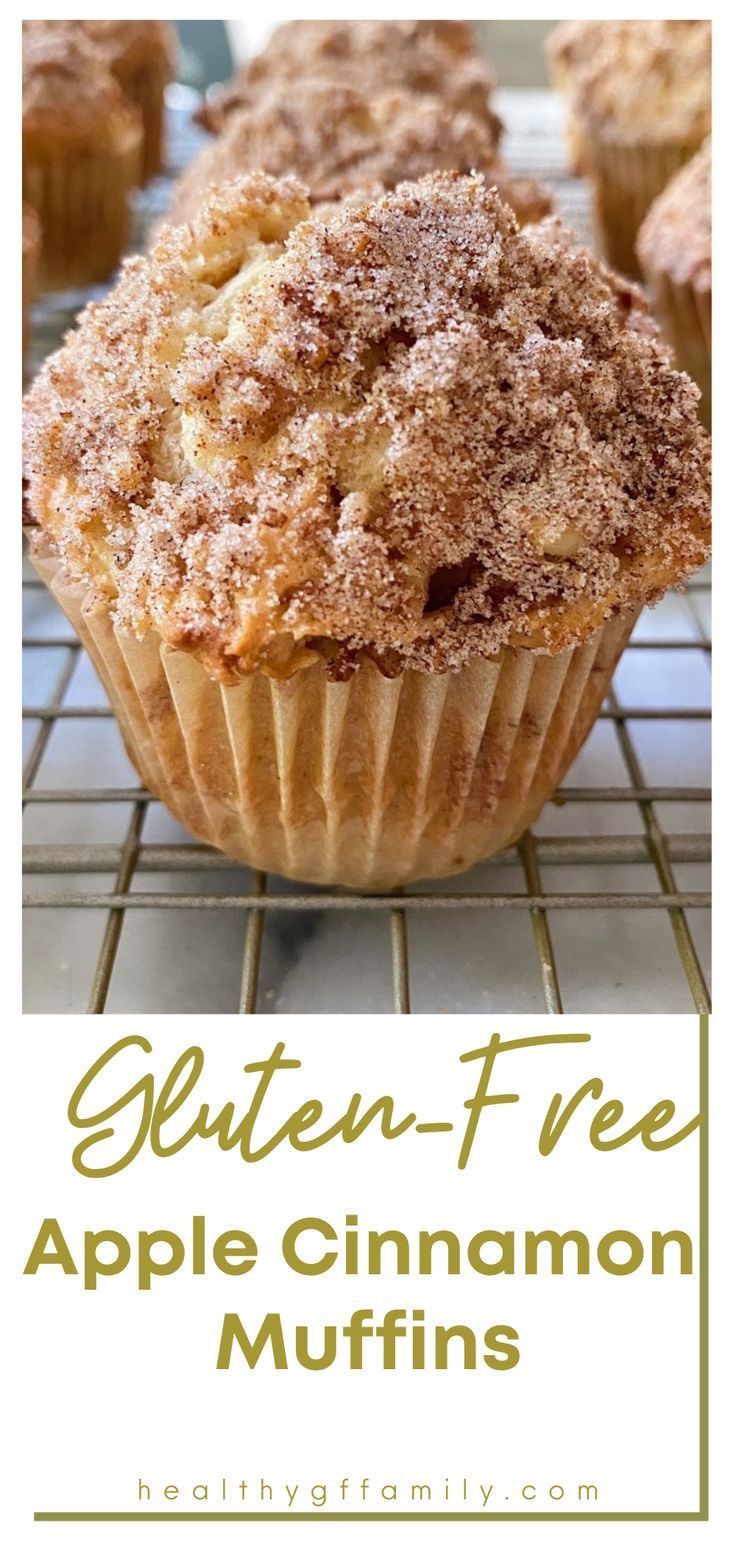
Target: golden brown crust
[
  {"x": 676, "y": 237},
  {"x": 338, "y": 140},
  {"x": 423, "y": 57},
  {"x": 69, "y": 96},
  {"x": 413, "y": 434},
  {"x": 636, "y": 80}
]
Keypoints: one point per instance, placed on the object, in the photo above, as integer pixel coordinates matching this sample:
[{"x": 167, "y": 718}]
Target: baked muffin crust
[
  {"x": 412, "y": 434},
  {"x": 339, "y": 141},
  {"x": 676, "y": 237}
]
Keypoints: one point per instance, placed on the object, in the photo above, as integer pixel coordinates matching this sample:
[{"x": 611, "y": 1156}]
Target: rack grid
[{"x": 626, "y": 821}]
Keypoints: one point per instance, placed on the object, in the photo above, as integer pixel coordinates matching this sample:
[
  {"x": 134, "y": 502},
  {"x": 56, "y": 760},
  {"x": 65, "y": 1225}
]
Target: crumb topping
[
  {"x": 676, "y": 237},
  {"x": 338, "y": 141},
  {"x": 638, "y": 79},
  {"x": 424, "y": 57},
  {"x": 412, "y": 434},
  {"x": 68, "y": 93}
]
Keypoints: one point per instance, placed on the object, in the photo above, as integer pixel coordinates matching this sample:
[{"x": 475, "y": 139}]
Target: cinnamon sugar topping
[{"x": 412, "y": 434}]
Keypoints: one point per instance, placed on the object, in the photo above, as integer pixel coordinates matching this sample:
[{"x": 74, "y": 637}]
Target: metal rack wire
[{"x": 256, "y": 898}]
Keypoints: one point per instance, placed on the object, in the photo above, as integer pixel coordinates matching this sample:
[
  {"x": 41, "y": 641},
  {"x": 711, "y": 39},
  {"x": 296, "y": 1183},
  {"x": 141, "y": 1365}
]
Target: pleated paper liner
[
  {"x": 82, "y": 200},
  {"x": 369, "y": 783},
  {"x": 684, "y": 312},
  {"x": 31, "y": 254},
  {"x": 626, "y": 179}
]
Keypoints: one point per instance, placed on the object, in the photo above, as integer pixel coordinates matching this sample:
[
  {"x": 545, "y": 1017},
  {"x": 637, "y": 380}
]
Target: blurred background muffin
[
  {"x": 639, "y": 95},
  {"x": 428, "y": 58},
  {"x": 340, "y": 142},
  {"x": 81, "y": 156},
  {"x": 675, "y": 252},
  {"x": 142, "y": 57}
]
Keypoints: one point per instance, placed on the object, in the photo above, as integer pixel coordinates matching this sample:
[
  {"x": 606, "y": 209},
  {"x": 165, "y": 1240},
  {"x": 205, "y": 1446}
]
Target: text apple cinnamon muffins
[{"x": 357, "y": 538}]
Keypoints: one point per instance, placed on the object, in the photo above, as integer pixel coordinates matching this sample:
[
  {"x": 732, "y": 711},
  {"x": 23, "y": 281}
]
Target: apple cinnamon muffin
[
  {"x": 81, "y": 153},
  {"x": 357, "y": 539},
  {"x": 675, "y": 252},
  {"x": 639, "y": 94},
  {"x": 342, "y": 142},
  {"x": 427, "y": 58},
  {"x": 140, "y": 55}
]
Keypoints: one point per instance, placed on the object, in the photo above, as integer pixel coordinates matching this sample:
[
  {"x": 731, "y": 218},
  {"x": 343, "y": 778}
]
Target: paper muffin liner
[
  {"x": 81, "y": 199},
  {"x": 146, "y": 91},
  {"x": 29, "y": 284},
  {"x": 370, "y": 783},
  {"x": 626, "y": 179},
  {"x": 684, "y": 311}
]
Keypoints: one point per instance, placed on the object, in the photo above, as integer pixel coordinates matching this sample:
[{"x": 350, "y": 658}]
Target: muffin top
[
  {"x": 123, "y": 46},
  {"x": 69, "y": 96},
  {"x": 641, "y": 79},
  {"x": 340, "y": 141},
  {"x": 571, "y": 47},
  {"x": 129, "y": 46},
  {"x": 424, "y": 57},
  {"x": 676, "y": 237},
  {"x": 412, "y": 434}
]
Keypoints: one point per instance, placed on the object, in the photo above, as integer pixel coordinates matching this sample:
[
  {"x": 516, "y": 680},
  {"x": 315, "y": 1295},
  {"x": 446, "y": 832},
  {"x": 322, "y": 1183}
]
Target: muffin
[
  {"x": 674, "y": 250},
  {"x": 81, "y": 152},
  {"x": 639, "y": 98},
  {"x": 31, "y": 247},
  {"x": 141, "y": 56},
  {"x": 357, "y": 540},
  {"x": 427, "y": 58},
  {"x": 341, "y": 142},
  {"x": 572, "y": 47}
]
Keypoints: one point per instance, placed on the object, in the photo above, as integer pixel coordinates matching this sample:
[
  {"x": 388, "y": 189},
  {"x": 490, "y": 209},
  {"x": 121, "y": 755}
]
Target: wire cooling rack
[{"x": 602, "y": 907}]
